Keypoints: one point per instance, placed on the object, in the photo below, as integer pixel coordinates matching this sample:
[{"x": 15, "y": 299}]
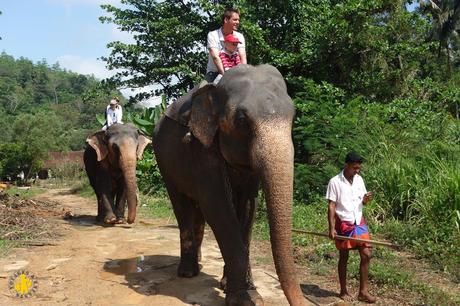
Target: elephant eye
[
  {"x": 241, "y": 118},
  {"x": 115, "y": 147}
]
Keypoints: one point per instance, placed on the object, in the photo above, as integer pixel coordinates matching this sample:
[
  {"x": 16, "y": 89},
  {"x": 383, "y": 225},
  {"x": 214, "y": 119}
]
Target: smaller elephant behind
[{"x": 110, "y": 163}]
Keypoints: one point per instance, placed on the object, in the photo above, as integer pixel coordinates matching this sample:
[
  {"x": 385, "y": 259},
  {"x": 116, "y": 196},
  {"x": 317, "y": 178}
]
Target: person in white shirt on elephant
[{"x": 113, "y": 113}]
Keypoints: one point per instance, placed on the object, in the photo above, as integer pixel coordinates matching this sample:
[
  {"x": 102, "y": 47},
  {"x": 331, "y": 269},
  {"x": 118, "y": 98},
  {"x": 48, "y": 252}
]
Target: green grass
[
  {"x": 156, "y": 207},
  {"x": 387, "y": 271},
  {"x": 84, "y": 189},
  {"x": 24, "y": 193}
]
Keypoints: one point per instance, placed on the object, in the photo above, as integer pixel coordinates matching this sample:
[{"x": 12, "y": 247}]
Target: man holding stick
[{"x": 346, "y": 195}]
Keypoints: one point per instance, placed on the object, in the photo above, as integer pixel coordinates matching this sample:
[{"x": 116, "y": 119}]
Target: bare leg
[
  {"x": 365, "y": 254},
  {"x": 342, "y": 267}
]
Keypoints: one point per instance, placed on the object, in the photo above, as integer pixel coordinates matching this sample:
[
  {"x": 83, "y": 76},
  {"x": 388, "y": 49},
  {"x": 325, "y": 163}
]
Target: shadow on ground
[
  {"x": 157, "y": 275},
  {"x": 318, "y": 295},
  {"x": 89, "y": 221}
]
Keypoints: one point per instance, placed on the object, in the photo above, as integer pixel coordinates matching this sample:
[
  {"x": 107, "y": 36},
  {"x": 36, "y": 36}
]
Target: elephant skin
[
  {"x": 241, "y": 140},
  {"x": 110, "y": 163}
]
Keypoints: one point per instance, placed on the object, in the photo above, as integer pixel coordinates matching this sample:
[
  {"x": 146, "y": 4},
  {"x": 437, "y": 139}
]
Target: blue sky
[{"x": 64, "y": 31}]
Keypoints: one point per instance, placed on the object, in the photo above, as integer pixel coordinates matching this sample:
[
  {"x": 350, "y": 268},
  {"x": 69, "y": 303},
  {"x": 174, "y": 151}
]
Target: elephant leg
[
  {"x": 100, "y": 209},
  {"x": 186, "y": 215},
  {"x": 245, "y": 190},
  {"x": 120, "y": 204},
  {"x": 107, "y": 202},
  {"x": 245, "y": 214},
  {"x": 105, "y": 197},
  {"x": 198, "y": 229},
  {"x": 220, "y": 215},
  {"x": 238, "y": 290},
  {"x": 246, "y": 223}
]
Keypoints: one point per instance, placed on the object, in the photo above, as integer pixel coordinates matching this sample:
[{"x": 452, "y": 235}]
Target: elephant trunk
[
  {"x": 273, "y": 156},
  {"x": 128, "y": 168}
]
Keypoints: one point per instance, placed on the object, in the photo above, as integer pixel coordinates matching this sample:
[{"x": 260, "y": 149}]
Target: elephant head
[
  {"x": 118, "y": 149},
  {"x": 250, "y": 113}
]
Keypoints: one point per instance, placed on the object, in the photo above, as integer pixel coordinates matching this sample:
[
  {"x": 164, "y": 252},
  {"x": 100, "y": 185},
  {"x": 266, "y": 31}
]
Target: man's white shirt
[
  {"x": 114, "y": 115},
  {"x": 348, "y": 197},
  {"x": 216, "y": 40}
]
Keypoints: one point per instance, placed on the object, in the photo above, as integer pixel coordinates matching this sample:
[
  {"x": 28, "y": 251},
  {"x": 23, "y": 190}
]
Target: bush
[
  {"x": 412, "y": 162},
  {"x": 149, "y": 179}
]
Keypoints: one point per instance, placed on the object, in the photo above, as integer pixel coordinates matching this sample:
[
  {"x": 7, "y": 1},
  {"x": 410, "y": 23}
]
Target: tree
[
  {"x": 371, "y": 47},
  {"x": 446, "y": 22},
  {"x": 446, "y": 31},
  {"x": 169, "y": 43},
  {"x": 14, "y": 159}
]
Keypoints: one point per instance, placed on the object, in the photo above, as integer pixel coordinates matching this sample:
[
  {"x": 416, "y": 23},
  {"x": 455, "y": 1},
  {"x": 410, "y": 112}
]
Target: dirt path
[{"x": 121, "y": 265}]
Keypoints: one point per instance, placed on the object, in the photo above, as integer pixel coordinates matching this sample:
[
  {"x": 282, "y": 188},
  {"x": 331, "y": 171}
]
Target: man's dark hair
[
  {"x": 228, "y": 13},
  {"x": 353, "y": 157}
]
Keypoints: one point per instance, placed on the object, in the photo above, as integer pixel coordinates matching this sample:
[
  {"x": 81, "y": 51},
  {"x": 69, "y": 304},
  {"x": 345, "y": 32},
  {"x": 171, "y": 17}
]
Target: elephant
[
  {"x": 240, "y": 140},
  {"x": 110, "y": 163}
]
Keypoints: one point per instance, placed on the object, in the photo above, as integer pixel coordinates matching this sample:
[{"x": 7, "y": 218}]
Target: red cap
[{"x": 231, "y": 38}]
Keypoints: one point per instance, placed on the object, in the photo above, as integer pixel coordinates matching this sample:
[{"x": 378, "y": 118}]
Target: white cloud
[
  {"x": 90, "y": 66},
  {"x": 86, "y": 66},
  {"x": 150, "y": 102}
]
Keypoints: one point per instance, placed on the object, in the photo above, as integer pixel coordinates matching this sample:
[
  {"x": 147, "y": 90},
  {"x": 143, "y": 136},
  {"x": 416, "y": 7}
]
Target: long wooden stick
[{"x": 388, "y": 244}]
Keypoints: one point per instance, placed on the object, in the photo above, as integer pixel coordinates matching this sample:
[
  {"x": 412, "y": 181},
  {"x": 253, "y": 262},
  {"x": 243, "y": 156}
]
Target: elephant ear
[
  {"x": 98, "y": 141},
  {"x": 204, "y": 116},
  {"x": 143, "y": 142}
]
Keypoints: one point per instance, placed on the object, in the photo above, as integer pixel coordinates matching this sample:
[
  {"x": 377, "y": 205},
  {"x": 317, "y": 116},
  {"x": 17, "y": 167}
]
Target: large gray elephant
[
  {"x": 241, "y": 139},
  {"x": 110, "y": 162}
]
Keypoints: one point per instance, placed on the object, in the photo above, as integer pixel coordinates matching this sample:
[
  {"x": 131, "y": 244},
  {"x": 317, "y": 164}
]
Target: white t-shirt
[
  {"x": 216, "y": 40},
  {"x": 348, "y": 197},
  {"x": 114, "y": 115}
]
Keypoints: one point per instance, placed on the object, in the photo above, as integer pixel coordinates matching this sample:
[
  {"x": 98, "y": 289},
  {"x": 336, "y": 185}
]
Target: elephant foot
[
  {"x": 223, "y": 284},
  {"x": 244, "y": 298},
  {"x": 188, "y": 269},
  {"x": 120, "y": 221},
  {"x": 110, "y": 219}
]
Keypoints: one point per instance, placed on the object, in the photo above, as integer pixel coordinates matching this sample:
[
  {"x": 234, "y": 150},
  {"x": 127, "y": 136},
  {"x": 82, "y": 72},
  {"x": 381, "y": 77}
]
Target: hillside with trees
[{"x": 44, "y": 108}]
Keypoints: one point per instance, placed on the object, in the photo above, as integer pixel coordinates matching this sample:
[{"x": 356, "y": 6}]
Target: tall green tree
[
  {"x": 446, "y": 23},
  {"x": 371, "y": 47},
  {"x": 168, "y": 45},
  {"x": 446, "y": 31}
]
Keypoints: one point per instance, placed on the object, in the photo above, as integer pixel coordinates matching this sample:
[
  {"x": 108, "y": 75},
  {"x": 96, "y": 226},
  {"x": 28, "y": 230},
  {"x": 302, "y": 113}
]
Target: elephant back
[{"x": 180, "y": 109}]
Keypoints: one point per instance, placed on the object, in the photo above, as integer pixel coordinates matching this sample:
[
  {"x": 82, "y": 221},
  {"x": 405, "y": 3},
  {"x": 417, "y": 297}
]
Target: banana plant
[{"x": 150, "y": 116}]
